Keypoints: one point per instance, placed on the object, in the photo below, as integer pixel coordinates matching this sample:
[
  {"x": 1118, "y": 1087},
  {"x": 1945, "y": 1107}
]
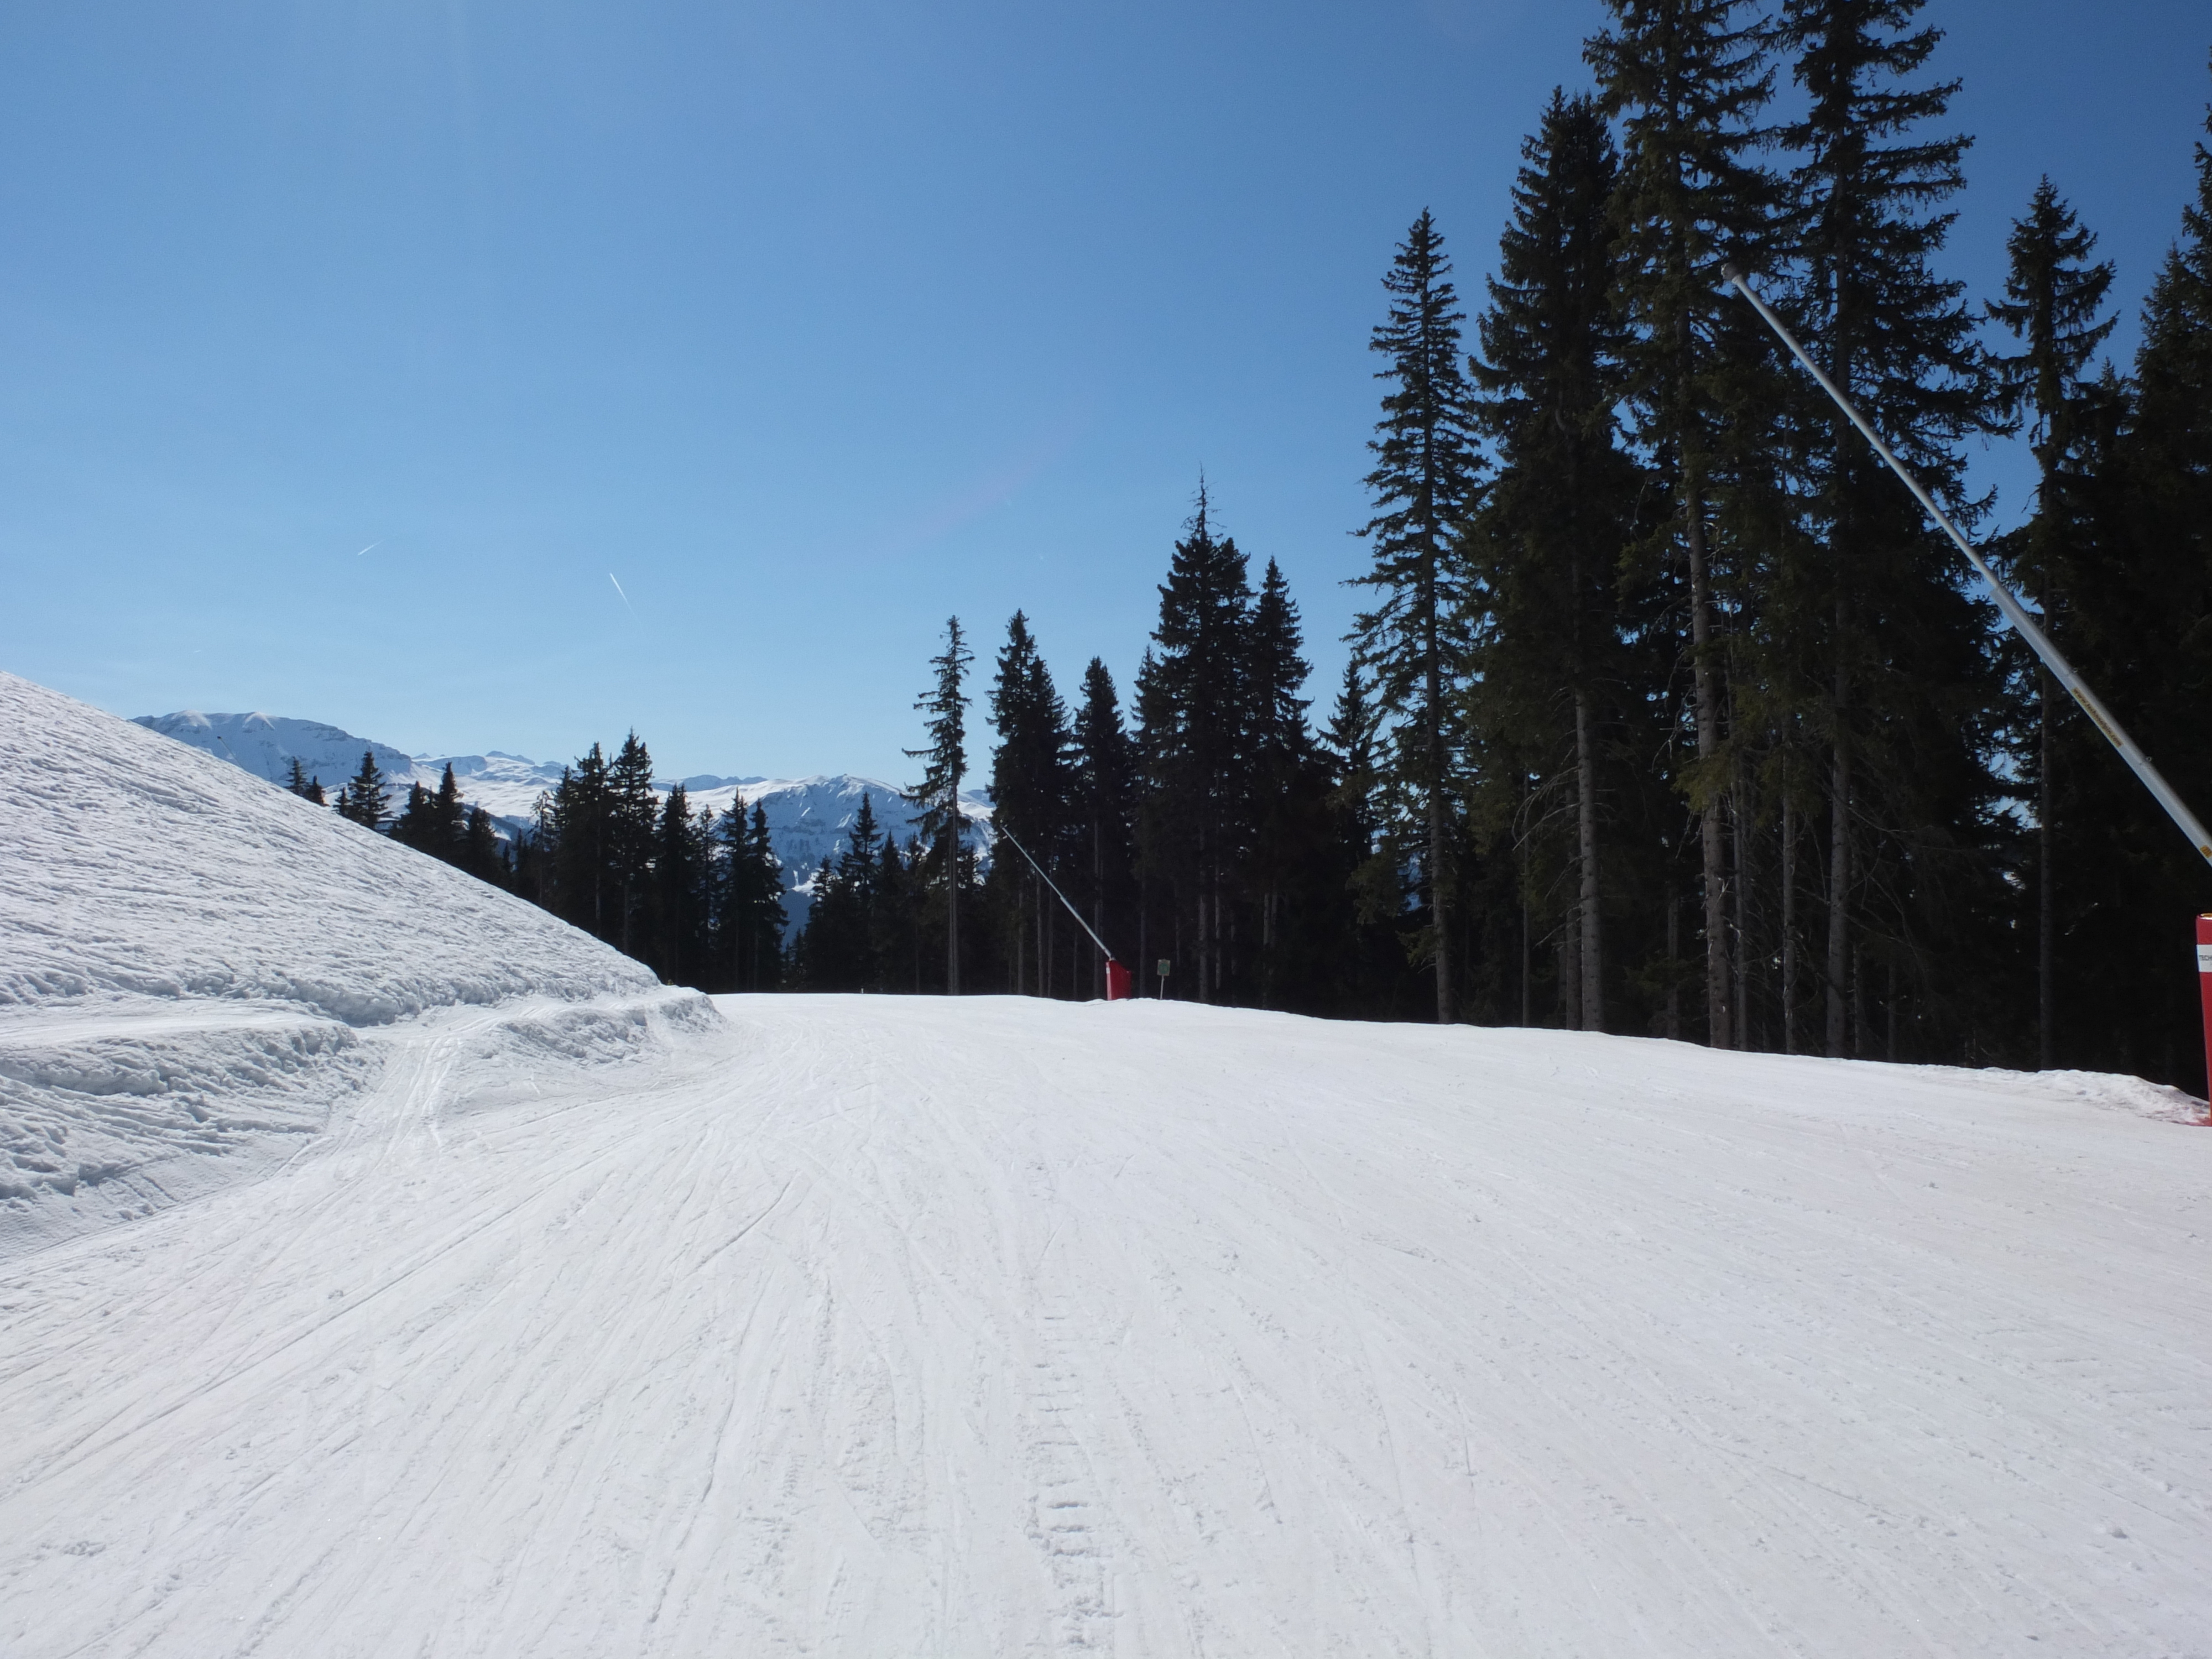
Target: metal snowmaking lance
[
  {"x": 2014, "y": 611},
  {"x": 1117, "y": 976}
]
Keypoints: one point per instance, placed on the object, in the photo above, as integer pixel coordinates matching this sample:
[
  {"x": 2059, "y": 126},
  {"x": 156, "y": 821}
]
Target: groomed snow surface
[{"x": 587, "y": 1318}]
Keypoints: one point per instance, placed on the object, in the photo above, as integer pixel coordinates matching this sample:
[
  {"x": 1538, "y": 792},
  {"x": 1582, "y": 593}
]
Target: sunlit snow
[{"x": 596, "y": 1320}]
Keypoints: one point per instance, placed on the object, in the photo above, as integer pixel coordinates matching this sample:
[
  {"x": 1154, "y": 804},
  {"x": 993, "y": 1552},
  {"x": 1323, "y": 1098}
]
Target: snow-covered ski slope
[
  {"x": 906, "y": 1326},
  {"x": 188, "y": 954}
]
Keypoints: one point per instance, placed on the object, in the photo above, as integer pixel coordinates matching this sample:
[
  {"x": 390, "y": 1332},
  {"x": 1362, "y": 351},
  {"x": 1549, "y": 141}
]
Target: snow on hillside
[
  {"x": 266, "y": 747},
  {"x": 808, "y": 818},
  {"x": 186, "y": 954},
  {"x": 903, "y": 1326}
]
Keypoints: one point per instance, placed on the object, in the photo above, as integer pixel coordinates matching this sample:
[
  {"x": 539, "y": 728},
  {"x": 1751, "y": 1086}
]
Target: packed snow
[
  {"x": 186, "y": 954},
  {"x": 597, "y": 1320}
]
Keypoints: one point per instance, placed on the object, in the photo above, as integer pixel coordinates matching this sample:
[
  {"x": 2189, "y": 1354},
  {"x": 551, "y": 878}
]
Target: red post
[
  {"x": 1117, "y": 987},
  {"x": 2204, "y": 992}
]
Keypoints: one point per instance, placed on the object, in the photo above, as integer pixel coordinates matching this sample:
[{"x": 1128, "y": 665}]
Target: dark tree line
[
  {"x": 1208, "y": 827},
  {"x": 1740, "y": 754},
  {"x": 1668, "y": 712},
  {"x": 697, "y": 897}
]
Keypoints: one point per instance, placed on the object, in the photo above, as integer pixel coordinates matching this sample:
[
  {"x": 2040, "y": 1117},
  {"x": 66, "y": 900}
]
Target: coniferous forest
[{"x": 1668, "y": 712}]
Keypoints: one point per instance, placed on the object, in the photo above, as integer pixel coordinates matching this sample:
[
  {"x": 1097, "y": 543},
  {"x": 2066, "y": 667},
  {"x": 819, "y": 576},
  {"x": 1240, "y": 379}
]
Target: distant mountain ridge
[{"x": 808, "y": 818}]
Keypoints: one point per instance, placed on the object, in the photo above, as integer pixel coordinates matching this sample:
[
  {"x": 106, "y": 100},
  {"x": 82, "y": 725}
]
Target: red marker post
[{"x": 2205, "y": 990}]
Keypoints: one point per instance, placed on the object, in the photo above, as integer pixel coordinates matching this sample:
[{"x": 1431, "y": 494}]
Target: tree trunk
[
  {"x": 1839, "y": 867},
  {"x": 1674, "y": 960},
  {"x": 1742, "y": 919},
  {"x": 1593, "y": 997},
  {"x": 2046, "y": 897},
  {"x": 1439, "y": 918},
  {"x": 1788, "y": 919},
  {"x": 952, "y": 913},
  {"x": 1707, "y": 699}
]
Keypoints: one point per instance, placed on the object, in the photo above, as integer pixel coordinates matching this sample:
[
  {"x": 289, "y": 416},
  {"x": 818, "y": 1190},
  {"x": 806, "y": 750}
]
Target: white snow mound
[{"x": 186, "y": 952}]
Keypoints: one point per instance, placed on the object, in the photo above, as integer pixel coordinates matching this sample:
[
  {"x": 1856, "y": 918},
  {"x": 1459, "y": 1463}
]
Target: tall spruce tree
[
  {"x": 1366, "y": 886},
  {"x": 576, "y": 841},
  {"x": 1550, "y": 681},
  {"x": 1194, "y": 698},
  {"x": 1907, "y": 679},
  {"x": 681, "y": 891},
  {"x": 841, "y": 941},
  {"x": 1104, "y": 779},
  {"x": 2122, "y": 515},
  {"x": 945, "y": 764},
  {"x": 1291, "y": 787},
  {"x": 1687, "y": 80},
  {"x": 2054, "y": 306},
  {"x": 750, "y": 906},
  {"x": 1030, "y": 788},
  {"x": 1424, "y": 484},
  {"x": 362, "y": 798},
  {"x": 633, "y": 827}
]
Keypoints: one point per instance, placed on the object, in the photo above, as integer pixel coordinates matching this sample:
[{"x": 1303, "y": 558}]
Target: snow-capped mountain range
[{"x": 808, "y": 818}]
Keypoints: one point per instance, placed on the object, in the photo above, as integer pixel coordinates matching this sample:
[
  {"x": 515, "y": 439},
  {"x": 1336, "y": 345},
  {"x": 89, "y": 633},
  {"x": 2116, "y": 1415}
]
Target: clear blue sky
[{"x": 811, "y": 325}]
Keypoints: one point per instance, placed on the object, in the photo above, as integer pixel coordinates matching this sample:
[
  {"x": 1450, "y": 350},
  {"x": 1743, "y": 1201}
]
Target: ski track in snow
[{"x": 878, "y": 1326}]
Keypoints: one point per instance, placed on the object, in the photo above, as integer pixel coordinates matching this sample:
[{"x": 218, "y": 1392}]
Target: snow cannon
[{"x": 1118, "y": 979}]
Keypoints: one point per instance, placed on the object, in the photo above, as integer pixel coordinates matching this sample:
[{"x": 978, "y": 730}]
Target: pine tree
[
  {"x": 1425, "y": 485},
  {"x": 1551, "y": 682},
  {"x": 362, "y": 799},
  {"x": 2124, "y": 519},
  {"x": 945, "y": 764},
  {"x": 1906, "y": 647},
  {"x": 306, "y": 787},
  {"x": 896, "y": 939},
  {"x": 1029, "y": 791},
  {"x": 1193, "y": 700},
  {"x": 766, "y": 905},
  {"x": 575, "y": 842},
  {"x": 680, "y": 886},
  {"x": 482, "y": 856},
  {"x": 1686, "y": 79},
  {"x": 413, "y": 826},
  {"x": 449, "y": 817},
  {"x": 750, "y": 908},
  {"x": 1290, "y": 788},
  {"x": 1366, "y": 882},
  {"x": 1104, "y": 778},
  {"x": 2054, "y": 300},
  {"x": 633, "y": 817}
]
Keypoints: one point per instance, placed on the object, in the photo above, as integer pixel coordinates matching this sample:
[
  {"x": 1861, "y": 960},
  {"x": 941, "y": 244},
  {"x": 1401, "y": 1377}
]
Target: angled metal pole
[
  {"x": 2014, "y": 611},
  {"x": 999, "y": 829}
]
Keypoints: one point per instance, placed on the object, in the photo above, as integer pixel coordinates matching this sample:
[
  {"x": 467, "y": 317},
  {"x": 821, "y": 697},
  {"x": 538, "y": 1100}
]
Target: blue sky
[{"x": 810, "y": 326}]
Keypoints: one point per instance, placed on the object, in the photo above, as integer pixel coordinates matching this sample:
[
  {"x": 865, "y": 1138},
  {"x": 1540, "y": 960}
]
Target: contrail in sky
[
  {"x": 370, "y": 548},
  {"x": 627, "y": 605}
]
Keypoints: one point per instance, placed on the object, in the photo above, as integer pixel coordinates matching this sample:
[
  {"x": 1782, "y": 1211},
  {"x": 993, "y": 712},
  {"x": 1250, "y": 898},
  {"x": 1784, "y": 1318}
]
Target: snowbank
[
  {"x": 186, "y": 952},
  {"x": 133, "y": 864}
]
